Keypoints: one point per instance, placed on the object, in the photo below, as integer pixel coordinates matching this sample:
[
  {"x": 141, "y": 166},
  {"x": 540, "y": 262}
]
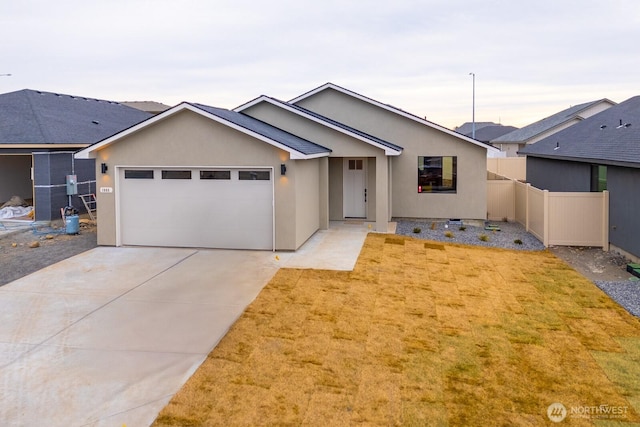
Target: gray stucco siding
[
  {"x": 624, "y": 205},
  {"x": 558, "y": 175}
]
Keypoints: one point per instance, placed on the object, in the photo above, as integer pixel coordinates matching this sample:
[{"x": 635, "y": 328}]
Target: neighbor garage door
[{"x": 187, "y": 207}]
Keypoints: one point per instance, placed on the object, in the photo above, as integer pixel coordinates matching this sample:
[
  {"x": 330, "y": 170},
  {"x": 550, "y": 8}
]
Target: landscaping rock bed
[
  {"x": 626, "y": 293},
  {"x": 510, "y": 235}
]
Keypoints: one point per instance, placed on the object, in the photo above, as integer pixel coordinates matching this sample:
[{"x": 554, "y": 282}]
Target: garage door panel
[{"x": 214, "y": 213}]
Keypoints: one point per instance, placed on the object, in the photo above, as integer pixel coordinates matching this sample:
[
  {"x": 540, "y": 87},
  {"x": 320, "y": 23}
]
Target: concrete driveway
[{"x": 107, "y": 337}]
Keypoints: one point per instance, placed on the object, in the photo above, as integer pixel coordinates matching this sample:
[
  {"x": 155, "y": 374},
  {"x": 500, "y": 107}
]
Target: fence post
[
  {"x": 605, "y": 221},
  {"x": 526, "y": 207},
  {"x": 513, "y": 199},
  {"x": 545, "y": 224}
]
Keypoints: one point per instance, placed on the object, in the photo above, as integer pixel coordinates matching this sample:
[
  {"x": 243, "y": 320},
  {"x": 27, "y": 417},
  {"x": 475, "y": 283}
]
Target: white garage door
[{"x": 187, "y": 207}]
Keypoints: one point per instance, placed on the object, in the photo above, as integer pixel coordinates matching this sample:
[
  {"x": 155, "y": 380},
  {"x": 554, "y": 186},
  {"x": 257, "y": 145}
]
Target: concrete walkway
[{"x": 107, "y": 337}]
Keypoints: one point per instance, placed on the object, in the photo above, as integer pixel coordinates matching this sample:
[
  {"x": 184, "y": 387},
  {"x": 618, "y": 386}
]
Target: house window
[
  {"x": 355, "y": 165},
  {"x": 254, "y": 175},
  {"x": 437, "y": 174},
  {"x": 138, "y": 174},
  {"x": 598, "y": 178},
  {"x": 215, "y": 174},
  {"x": 176, "y": 174}
]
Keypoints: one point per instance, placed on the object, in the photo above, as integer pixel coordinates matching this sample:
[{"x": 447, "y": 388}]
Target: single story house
[
  {"x": 269, "y": 174},
  {"x": 484, "y": 131},
  {"x": 39, "y": 135},
  {"x": 599, "y": 153},
  {"x": 516, "y": 140}
]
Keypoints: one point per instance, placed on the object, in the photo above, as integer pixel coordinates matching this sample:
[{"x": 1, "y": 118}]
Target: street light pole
[{"x": 473, "y": 107}]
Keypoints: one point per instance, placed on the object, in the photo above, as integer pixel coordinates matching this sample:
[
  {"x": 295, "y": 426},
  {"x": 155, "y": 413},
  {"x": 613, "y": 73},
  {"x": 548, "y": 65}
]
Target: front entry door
[{"x": 355, "y": 191}]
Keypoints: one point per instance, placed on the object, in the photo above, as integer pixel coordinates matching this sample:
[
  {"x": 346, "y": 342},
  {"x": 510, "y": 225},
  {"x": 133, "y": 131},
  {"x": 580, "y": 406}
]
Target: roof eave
[
  {"x": 388, "y": 151},
  {"x": 27, "y": 145},
  {"x": 90, "y": 152},
  {"x": 585, "y": 160}
]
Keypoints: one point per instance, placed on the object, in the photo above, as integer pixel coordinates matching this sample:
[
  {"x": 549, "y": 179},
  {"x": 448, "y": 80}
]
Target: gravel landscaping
[
  {"x": 511, "y": 235},
  {"x": 626, "y": 293}
]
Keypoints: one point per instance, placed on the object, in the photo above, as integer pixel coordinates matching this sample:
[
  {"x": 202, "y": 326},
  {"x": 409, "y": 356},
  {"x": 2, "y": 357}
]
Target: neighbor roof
[
  {"x": 609, "y": 137},
  {"x": 491, "y": 132},
  {"x": 152, "y": 107},
  {"x": 31, "y": 118},
  {"x": 298, "y": 148},
  {"x": 389, "y": 148},
  {"x": 526, "y": 133},
  {"x": 467, "y": 127},
  {"x": 393, "y": 110}
]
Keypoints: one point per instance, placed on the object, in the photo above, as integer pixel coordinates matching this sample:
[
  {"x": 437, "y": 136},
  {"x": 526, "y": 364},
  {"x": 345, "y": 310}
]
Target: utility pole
[{"x": 473, "y": 107}]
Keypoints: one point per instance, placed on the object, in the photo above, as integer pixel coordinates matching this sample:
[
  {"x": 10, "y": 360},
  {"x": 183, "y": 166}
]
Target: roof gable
[
  {"x": 298, "y": 148},
  {"x": 389, "y": 148},
  {"x": 36, "y": 117},
  {"x": 610, "y": 137},
  {"x": 393, "y": 110},
  {"x": 529, "y": 132}
]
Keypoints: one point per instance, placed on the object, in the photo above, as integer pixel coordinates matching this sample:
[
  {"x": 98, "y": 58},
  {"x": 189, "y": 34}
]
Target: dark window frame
[
  {"x": 216, "y": 175},
  {"x": 433, "y": 178},
  {"x": 598, "y": 178},
  {"x": 254, "y": 175},
  {"x": 176, "y": 174},
  {"x": 138, "y": 174}
]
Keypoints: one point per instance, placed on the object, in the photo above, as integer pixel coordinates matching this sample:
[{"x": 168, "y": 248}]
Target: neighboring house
[
  {"x": 152, "y": 107},
  {"x": 485, "y": 131},
  {"x": 601, "y": 152},
  {"x": 39, "y": 134},
  {"x": 467, "y": 127},
  {"x": 515, "y": 141},
  {"x": 270, "y": 173}
]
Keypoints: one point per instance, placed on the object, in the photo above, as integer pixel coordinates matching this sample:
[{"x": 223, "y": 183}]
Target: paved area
[{"x": 107, "y": 337}]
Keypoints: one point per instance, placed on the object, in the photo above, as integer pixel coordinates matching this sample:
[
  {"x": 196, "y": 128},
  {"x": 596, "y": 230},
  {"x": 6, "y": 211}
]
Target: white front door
[{"x": 355, "y": 190}]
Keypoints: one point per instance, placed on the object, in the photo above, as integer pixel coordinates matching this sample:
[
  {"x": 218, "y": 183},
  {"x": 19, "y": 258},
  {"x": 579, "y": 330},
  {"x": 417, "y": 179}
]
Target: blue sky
[{"x": 530, "y": 58}]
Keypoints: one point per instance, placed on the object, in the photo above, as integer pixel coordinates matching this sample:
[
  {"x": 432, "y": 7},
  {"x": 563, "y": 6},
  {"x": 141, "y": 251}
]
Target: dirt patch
[
  {"x": 21, "y": 256},
  {"x": 594, "y": 263}
]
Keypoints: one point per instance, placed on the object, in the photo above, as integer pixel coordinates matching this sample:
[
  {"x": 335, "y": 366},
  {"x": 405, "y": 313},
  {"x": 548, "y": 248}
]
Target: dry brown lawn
[{"x": 421, "y": 333}]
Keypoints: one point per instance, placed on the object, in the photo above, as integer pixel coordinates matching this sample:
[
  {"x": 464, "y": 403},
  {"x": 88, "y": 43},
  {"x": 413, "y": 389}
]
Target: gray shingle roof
[
  {"x": 491, "y": 132},
  {"x": 467, "y": 127},
  {"x": 36, "y": 117},
  {"x": 524, "y": 134},
  {"x": 599, "y": 138},
  {"x": 285, "y": 138}
]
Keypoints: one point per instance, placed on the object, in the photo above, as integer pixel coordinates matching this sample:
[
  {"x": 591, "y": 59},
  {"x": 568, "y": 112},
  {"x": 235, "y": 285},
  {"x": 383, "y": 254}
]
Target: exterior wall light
[
  {"x": 104, "y": 168},
  {"x": 283, "y": 169}
]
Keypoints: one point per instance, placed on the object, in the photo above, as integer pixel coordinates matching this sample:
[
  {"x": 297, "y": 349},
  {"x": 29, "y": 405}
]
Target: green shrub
[
  {"x": 448, "y": 234},
  {"x": 484, "y": 237},
  {"x": 417, "y": 230},
  {"x": 462, "y": 228},
  {"x": 517, "y": 242}
]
